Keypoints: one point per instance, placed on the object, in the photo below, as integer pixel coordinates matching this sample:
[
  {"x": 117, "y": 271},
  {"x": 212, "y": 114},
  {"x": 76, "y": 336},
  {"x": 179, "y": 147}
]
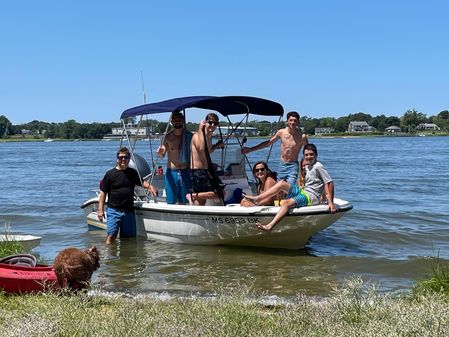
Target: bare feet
[
  {"x": 253, "y": 198},
  {"x": 189, "y": 198},
  {"x": 266, "y": 228}
]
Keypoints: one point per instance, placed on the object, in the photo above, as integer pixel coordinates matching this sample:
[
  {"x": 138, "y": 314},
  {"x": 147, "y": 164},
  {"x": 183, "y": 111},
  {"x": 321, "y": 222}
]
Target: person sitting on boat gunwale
[
  {"x": 292, "y": 140},
  {"x": 118, "y": 184},
  {"x": 317, "y": 181},
  {"x": 177, "y": 147},
  {"x": 203, "y": 187},
  {"x": 265, "y": 179}
]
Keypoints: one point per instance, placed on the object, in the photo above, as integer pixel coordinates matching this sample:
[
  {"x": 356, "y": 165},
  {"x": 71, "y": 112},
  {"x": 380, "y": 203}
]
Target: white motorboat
[
  {"x": 225, "y": 225},
  {"x": 219, "y": 223},
  {"x": 27, "y": 241}
]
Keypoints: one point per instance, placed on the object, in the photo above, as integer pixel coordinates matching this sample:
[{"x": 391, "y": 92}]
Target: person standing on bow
[
  {"x": 118, "y": 184},
  {"x": 292, "y": 140},
  {"x": 203, "y": 185},
  {"x": 177, "y": 148}
]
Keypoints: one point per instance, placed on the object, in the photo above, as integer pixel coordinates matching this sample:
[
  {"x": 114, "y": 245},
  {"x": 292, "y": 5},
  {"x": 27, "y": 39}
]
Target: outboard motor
[{"x": 139, "y": 163}]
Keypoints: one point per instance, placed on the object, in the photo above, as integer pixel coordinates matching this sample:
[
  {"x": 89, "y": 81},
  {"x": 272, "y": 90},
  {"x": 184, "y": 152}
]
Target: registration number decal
[{"x": 233, "y": 220}]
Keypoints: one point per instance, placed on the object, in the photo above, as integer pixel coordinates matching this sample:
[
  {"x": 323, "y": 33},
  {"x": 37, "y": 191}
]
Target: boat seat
[
  {"x": 235, "y": 169},
  {"x": 21, "y": 260}
]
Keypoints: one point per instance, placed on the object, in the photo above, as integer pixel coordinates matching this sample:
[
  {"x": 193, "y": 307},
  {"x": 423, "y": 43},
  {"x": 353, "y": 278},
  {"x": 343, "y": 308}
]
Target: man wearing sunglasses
[
  {"x": 202, "y": 186},
  {"x": 118, "y": 184},
  {"x": 292, "y": 140},
  {"x": 177, "y": 148}
]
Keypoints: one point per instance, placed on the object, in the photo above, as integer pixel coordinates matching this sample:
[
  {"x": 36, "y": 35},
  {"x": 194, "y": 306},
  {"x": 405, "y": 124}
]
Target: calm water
[{"x": 398, "y": 187}]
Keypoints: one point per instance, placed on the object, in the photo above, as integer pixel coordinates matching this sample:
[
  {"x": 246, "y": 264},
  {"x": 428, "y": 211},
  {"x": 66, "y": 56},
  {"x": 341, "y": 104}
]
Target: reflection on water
[
  {"x": 144, "y": 266},
  {"x": 135, "y": 265},
  {"x": 399, "y": 221}
]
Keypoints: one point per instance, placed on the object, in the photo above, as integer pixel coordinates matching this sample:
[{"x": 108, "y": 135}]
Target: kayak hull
[{"x": 21, "y": 280}]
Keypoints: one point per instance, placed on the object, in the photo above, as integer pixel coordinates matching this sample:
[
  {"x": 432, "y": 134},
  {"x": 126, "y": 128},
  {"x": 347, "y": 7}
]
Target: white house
[
  {"x": 393, "y": 129},
  {"x": 322, "y": 131},
  {"x": 248, "y": 131},
  {"x": 427, "y": 127},
  {"x": 360, "y": 127},
  {"x": 132, "y": 130}
]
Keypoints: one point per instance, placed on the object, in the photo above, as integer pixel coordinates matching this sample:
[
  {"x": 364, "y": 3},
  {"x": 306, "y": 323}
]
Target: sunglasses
[
  {"x": 212, "y": 123},
  {"x": 123, "y": 157},
  {"x": 259, "y": 170}
]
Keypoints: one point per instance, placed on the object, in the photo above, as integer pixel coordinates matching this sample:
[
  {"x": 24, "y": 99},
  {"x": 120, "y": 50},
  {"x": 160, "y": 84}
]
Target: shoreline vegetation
[
  {"x": 330, "y": 135},
  {"x": 353, "y": 308},
  {"x": 363, "y": 124}
]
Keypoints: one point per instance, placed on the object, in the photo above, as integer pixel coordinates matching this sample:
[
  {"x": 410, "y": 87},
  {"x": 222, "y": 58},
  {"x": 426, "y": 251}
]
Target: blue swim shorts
[
  {"x": 119, "y": 221},
  {"x": 289, "y": 172},
  {"x": 177, "y": 183}
]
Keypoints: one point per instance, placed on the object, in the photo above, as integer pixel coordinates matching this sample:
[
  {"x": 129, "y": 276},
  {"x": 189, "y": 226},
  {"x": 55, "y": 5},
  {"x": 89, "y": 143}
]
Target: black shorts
[{"x": 201, "y": 181}]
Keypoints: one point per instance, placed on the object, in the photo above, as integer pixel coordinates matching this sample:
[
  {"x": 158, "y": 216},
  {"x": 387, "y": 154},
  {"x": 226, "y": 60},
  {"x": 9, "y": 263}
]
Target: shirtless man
[
  {"x": 292, "y": 140},
  {"x": 177, "y": 147},
  {"x": 202, "y": 187}
]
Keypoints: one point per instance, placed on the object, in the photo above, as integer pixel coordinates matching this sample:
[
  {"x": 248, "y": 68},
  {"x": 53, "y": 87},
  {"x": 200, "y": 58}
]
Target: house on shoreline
[
  {"x": 427, "y": 127},
  {"x": 360, "y": 127},
  {"x": 323, "y": 131},
  {"x": 393, "y": 129}
]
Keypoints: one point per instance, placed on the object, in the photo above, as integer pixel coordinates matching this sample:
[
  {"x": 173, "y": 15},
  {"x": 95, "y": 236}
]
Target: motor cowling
[{"x": 139, "y": 163}]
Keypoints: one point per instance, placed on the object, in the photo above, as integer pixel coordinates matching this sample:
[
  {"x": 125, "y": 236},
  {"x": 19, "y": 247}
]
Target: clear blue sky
[{"x": 82, "y": 60}]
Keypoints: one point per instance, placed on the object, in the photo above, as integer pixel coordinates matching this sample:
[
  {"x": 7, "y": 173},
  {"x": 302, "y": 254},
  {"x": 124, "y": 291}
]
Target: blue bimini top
[{"x": 225, "y": 105}]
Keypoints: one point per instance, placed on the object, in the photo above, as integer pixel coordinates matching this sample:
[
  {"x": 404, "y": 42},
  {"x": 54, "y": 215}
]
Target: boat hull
[
  {"x": 27, "y": 241},
  {"x": 218, "y": 225},
  {"x": 226, "y": 225}
]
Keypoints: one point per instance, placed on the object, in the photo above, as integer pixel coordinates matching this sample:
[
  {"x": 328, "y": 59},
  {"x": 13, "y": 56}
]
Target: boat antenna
[
  {"x": 147, "y": 129},
  {"x": 143, "y": 88}
]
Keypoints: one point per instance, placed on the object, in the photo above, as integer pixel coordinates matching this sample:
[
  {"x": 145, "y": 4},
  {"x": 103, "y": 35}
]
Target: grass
[
  {"x": 438, "y": 281},
  {"x": 352, "y": 310},
  {"x": 10, "y": 248}
]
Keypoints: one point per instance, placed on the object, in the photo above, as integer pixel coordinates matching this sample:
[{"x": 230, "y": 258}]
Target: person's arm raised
[
  {"x": 262, "y": 145},
  {"x": 305, "y": 139}
]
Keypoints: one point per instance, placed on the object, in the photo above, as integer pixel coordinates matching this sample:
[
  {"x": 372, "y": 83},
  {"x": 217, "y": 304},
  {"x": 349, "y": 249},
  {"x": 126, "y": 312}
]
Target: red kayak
[{"x": 21, "y": 279}]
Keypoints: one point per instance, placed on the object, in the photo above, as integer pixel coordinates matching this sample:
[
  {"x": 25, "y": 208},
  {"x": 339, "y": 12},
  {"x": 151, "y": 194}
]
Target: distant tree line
[
  {"x": 66, "y": 130},
  {"x": 407, "y": 122},
  {"x": 74, "y": 130}
]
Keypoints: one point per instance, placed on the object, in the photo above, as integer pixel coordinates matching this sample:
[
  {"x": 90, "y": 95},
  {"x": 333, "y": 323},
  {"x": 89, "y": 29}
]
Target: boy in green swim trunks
[{"x": 318, "y": 181}]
